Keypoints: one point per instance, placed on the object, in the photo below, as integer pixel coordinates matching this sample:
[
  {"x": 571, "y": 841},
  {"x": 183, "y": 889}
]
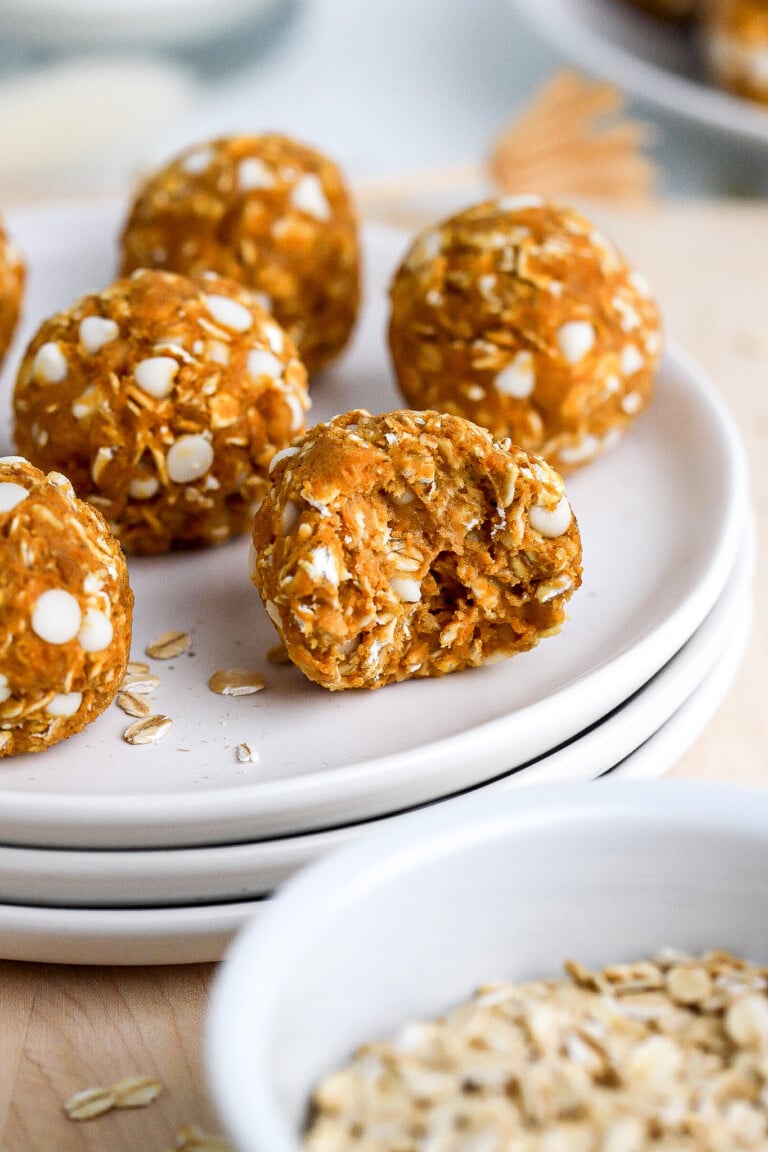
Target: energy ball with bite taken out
[
  {"x": 164, "y": 400},
  {"x": 411, "y": 545},
  {"x": 268, "y": 212},
  {"x": 11, "y": 290},
  {"x": 523, "y": 317},
  {"x": 65, "y": 610}
]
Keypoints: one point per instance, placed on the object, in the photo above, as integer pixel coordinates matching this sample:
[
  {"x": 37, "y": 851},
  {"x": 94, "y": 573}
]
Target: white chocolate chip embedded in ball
[
  {"x": 13, "y": 460},
  {"x": 518, "y": 378},
  {"x": 575, "y": 339},
  {"x": 156, "y": 375},
  {"x": 11, "y": 494},
  {"x": 321, "y": 565},
  {"x": 5, "y": 691},
  {"x": 551, "y": 522},
  {"x": 50, "y": 364},
  {"x": 56, "y": 616},
  {"x": 260, "y": 362},
  {"x": 283, "y": 454},
  {"x": 275, "y": 337},
  {"x": 143, "y": 487},
  {"x": 96, "y": 331},
  {"x": 631, "y": 360},
  {"x": 639, "y": 283},
  {"x": 229, "y": 313},
  {"x": 406, "y": 589},
  {"x": 189, "y": 459},
  {"x": 198, "y": 161},
  {"x": 632, "y": 403},
  {"x": 64, "y": 704},
  {"x": 308, "y": 196},
  {"x": 253, "y": 173},
  {"x": 96, "y": 631}
]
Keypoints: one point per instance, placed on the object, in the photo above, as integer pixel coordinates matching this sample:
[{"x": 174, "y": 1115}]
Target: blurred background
[{"x": 95, "y": 92}]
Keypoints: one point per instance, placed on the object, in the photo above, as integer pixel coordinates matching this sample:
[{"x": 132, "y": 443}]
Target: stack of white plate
[{"x": 113, "y": 853}]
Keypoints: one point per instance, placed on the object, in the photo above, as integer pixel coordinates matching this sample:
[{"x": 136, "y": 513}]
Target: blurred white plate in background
[{"x": 647, "y": 57}]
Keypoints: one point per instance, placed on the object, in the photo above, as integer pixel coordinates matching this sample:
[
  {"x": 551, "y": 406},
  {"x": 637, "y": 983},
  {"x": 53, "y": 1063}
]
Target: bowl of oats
[{"x": 569, "y": 968}]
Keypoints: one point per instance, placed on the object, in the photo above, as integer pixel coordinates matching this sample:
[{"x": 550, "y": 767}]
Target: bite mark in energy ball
[
  {"x": 522, "y": 317},
  {"x": 164, "y": 400},
  {"x": 268, "y": 212},
  {"x": 411, "y": 545},
  {"x": 65, "y": 610},
  {"x": 11, "y": 290},
  {"x": 735, "y": 44}
]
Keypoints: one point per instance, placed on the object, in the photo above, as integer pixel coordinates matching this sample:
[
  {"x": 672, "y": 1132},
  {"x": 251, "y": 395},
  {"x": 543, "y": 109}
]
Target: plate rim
[
  {"x": 710, "y": 654},
  {"x": 93, "y": 820}
]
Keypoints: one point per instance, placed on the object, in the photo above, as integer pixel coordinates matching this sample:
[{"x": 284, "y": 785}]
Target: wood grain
[{"x": 63, "y": 1029}]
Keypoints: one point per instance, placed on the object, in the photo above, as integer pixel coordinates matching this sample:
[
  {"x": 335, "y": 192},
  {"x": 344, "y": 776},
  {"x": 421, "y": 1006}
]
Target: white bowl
[{"x": 409, "y": 921}]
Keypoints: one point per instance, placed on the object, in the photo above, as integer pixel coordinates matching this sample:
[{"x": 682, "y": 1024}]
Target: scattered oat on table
[
  {"x": 137, "y": 668},
  {"x": 190, "y": 1138},
  {"x": 130, "y": 1092},
  {"x": 234, "y": 682},
  {"x": 668, "y": 1054},
  {"x": 133, "y": 705},
  {"x": 149, "y": 731},
  {"x": 168, "y": 645},
  {"x": 246, "y": 754},
  {"x": 140, "y": 684}
]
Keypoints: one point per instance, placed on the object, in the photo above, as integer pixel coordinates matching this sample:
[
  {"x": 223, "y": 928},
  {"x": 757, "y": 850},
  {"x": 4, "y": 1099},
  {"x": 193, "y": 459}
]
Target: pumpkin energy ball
[
  {"x": 65, "y": 610},
  {"x": 524, "y": 318},
  {"x": 735, "y": 45},
  {"x": 164, "y": 400},
  {"x": 268, "y": 212},
  {"x": 11, "y": 289},
  {"x": 410, "y": 545}
]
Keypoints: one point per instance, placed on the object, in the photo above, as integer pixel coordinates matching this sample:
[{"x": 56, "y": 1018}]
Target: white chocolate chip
[
  {"x": 308, "y": 196},
  {"x": 143, "y": 487},
  {"x": 253, "y": 560},
  {"x": 283, "y": 454},
  {"x": 263, "y": 363},
  {"x": 321, "y": 565},
  {"x": 156, "y": 375},
  {"x": 96, "y": 331},
  {"x": 639, "y": 283},
  {"x": 406, "y": 589},
  {"x": 5, "y": 691},
  {"x": 198, "y": 161},
  {"x": 275, "y": 337},
  {"x": 518, "y": 378},
  {"x": 630, "y": 318},
  {"x": 56, "y": 616},
  {"x": 575, "y": 339},
  {"x": 218, "y": 352},
  {"x": 631, "y": 360},
  {"x": 96, "y": 631},
  {"x": 86, "y": 404},
  {"x": 518, "y": 203},
  {"x": 254, "y": 173},
  {"x": 297, "y": 412},
  {"x": 189, "y": 459},
  {"x": 263, "y": 300},
  {"x": 13, "y": 460},
  {"x": 11, "y": 494},
  {"x": 64, "y": 704},
  {"x": 632, "y": 403},
  {"x": 50, "y": 364},
  {"x": 229, "y": 313},
  {"x": 551, "y": 522}
]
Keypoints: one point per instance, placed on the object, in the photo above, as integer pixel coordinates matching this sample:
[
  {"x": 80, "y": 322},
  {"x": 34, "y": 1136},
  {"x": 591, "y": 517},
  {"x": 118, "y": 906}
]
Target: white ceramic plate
[
  {"x": 661, "y": 519},
  {"x": 201, "y": 933},
  {"x": 185, "y": 876},
  {"x": 648, "y": 57}
]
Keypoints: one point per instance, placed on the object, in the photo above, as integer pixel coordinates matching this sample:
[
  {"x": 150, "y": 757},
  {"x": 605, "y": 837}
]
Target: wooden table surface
[{"x": 64, "y": 1029}]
